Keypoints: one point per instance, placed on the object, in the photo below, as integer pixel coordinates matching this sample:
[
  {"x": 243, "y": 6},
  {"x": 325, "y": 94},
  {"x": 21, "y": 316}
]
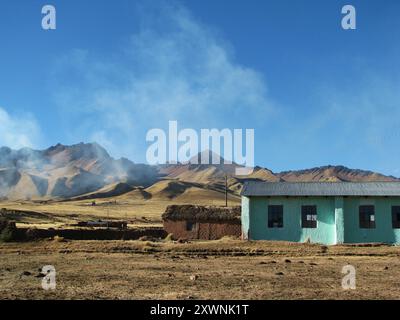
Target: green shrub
[{"x": 8, "y": 234}]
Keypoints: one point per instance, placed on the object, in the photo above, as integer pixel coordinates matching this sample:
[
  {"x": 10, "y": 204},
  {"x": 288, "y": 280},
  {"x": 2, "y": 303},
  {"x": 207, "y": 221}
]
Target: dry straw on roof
[{"x": 202, "y": 213}]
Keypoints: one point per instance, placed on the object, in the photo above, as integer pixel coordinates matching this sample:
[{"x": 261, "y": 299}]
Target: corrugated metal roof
[{"x": 253, "y": 188}]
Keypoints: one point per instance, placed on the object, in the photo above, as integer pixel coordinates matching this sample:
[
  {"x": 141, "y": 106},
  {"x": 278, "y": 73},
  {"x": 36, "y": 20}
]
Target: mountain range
[{"x": 87, "y": 171}]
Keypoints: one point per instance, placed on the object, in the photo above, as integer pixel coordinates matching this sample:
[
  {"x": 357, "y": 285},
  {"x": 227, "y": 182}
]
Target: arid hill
[
  {"x": 67, "y": 171},
  {"x": 87, "y": 171}
]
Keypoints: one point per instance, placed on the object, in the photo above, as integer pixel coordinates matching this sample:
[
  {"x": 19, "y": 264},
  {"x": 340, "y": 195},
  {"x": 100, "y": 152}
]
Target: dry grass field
[
  {"x": 136, "y": 211},
  {"x": 224, "y": 269}
]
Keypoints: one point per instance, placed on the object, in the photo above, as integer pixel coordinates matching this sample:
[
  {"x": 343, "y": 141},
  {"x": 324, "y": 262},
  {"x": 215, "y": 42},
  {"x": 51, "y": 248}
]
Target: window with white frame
[{"x": 309, "y": 216}]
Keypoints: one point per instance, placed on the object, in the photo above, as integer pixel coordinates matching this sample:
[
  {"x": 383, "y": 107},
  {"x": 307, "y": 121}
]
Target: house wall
[
  {"x": 338, "y": 219},
  {"x": 383, "y": 231},
  {"x": 292, "y": 230},
  {"x": 202, "y": 230}
]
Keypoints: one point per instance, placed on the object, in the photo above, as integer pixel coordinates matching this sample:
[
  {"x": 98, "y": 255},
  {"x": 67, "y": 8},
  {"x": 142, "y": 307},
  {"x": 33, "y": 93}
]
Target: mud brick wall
[{"x": 203, "y": 230}]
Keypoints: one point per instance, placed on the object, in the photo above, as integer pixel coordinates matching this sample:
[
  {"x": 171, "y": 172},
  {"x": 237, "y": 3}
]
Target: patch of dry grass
[
  {"x": 137, "y": 211},
  {"x": 202, "y": 270}
]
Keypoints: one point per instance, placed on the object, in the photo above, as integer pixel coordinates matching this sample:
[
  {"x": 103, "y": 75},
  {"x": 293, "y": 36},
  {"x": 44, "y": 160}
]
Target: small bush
[{"x": 8, "y": 234}]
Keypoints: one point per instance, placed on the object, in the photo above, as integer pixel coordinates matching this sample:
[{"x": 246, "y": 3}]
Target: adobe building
[
  {"x": 322, "y": 212},
  {"x": 201, "y": 222}
]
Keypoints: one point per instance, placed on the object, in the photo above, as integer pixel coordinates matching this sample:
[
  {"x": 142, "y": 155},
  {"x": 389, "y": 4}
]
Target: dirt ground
[{"x": 224, "y": 269}]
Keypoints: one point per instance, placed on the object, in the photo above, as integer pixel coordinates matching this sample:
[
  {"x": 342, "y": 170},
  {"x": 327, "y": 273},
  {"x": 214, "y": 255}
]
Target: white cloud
[
  {"x": 174, "y": 68},
  {"x": 18, "y": 131}
]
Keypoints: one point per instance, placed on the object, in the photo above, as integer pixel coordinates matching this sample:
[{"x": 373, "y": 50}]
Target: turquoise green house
[{"x": 322, "y": 212}]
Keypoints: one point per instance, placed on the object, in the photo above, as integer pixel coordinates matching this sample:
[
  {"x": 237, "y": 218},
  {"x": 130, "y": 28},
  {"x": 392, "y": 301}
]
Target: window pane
[
  {"x": 309, "y": 216},
  {"x": 396, "y": 217},
  {"x": 275, "y": 216},
  {"x": 367, "y": 217},
  {"x": 190, "y": 226}
]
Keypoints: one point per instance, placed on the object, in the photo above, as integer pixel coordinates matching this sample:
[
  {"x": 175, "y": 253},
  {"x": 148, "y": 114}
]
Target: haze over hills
[
  {"x": 66, "y": 171},
  {"x": 87, "y": 171}
]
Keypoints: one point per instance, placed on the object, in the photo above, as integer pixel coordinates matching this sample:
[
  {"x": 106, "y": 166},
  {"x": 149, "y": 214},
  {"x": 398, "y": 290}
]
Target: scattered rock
[
  {"x": 66, "y": 251},
  {"x": 301, "y": 261},
  {"x": 58, "y": 239},
  {"x": 193, "y": 277},
  {"x": 288, "y": 261},
  {"x": 279, "y": 273},
  {"x": 262, "y": 262},
  {"x": 386, "y": 268},
  {"x": 26, "y": 274},
  {"x": 313, "y": 264}
]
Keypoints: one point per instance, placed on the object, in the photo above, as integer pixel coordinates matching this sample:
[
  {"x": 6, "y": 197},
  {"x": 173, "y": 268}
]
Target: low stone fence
[{"x": 30, "y": 234}]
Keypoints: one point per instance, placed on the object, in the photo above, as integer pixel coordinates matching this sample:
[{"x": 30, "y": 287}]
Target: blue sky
[{"x": 314, "y": 93}]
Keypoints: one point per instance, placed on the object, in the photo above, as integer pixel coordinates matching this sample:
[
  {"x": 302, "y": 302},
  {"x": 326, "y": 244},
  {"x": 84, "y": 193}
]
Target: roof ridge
[{"x": 322, "y": 188}]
